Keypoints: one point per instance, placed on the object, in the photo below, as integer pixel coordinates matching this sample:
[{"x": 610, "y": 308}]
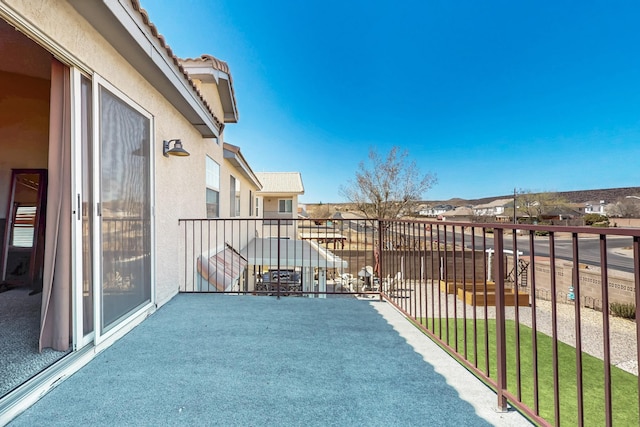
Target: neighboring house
[
  {"x": 434, "y": 211},
  {"x": 593, "y": 207},
  {"x": 461, "y": 214},
  {"x": 279, "y": 196},
  {"x": 555, "y": 216},
  {"x": 496, "y": 208},
  {"x": 578, "y": 207},
  {"x": 92, "y": 97}
]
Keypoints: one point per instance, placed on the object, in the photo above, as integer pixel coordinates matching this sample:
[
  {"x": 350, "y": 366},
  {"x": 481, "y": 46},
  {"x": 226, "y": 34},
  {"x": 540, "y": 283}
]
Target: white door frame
[{"x": 100, "y": 336}]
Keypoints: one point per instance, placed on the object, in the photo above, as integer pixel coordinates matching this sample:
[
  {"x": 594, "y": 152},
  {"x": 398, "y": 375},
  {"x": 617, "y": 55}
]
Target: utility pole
[{"x": 515, "y": 220}]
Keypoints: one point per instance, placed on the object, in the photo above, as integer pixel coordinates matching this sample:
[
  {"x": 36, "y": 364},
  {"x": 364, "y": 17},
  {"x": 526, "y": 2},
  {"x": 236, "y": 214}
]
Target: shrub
[
  {"x": 593, "y": 219},
  {"x": 627, "y": 311}
]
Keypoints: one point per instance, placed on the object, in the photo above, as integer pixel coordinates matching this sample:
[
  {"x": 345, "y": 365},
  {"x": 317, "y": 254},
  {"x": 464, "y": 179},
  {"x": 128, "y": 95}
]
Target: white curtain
[{"x": 55, "y": 322}]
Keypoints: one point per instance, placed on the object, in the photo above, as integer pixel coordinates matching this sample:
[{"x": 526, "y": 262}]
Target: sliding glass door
[
  {"x": 124, "y": 208},
  {"x": 113, "y": 217}
]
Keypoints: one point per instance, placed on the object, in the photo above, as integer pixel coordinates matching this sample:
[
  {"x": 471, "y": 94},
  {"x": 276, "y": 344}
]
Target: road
[{"x": 619, "y": 257}]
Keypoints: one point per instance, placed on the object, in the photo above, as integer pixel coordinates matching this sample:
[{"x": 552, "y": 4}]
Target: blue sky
[{"x": 489, "y": 96}]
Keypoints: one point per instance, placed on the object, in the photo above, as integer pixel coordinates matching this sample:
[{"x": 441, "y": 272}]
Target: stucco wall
[
  {"x": 271, "y": 204},
  {"x": 625, "y": 222},
  {"x": 179, "y": 181},
  {"x": 621, "y": 287},
  {"x": 211, "y": 94},
  {"x": 247, "y": 207}
]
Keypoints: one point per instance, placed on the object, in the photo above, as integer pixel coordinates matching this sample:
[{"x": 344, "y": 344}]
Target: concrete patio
[{"x": 207, "y": 359}]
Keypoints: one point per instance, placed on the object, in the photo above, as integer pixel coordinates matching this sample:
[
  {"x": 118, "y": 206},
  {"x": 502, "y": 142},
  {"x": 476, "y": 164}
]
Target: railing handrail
[{"x": 427, "y": 269}]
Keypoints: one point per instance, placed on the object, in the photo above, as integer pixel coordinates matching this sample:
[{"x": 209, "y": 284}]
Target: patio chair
[{"x": 392, "y": 283}]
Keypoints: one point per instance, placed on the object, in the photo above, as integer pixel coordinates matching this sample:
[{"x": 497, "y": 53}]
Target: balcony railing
[{"x": 531, "y": 310}]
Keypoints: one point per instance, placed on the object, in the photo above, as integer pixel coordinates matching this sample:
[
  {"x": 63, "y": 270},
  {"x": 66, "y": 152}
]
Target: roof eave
[
  {"x": 234, "y": 156},
  {"x": 281, "y": 193},
  {"x": 225, "y": 87},
  {"x": 125, "y": 29}
]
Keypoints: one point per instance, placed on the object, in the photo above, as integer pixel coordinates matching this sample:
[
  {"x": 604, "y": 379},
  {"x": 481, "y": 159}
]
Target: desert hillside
[{"x": 609, "y": 195}]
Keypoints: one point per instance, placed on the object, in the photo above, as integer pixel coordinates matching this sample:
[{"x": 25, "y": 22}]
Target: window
[
  {"x": 237, "y": 198},
  {"x": 23, "y": 226},
  {"x": 257, "y": 207},
  {"x": 285, "y": 206},
  {"x": 250, "y": 203},
  {"x": 213, "y": 188},
  {"x": 234, "y": 197}
]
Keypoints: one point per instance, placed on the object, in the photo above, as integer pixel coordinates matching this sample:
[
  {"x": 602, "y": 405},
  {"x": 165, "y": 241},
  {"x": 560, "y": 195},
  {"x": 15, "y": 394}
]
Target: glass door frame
[
  {"x": 98, "y": 83},
  {"x": 80, "y": 340},
  {"x": 97, "y": 336}
]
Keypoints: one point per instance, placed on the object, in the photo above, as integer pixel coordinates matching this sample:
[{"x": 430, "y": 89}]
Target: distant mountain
[{"x": 609, "y": 195}]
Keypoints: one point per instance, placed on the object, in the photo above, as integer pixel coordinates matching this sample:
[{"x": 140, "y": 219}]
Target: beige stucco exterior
[
  {"x": 210, "y": 91},
  {"x": 179, "y": 183},
  {"x": 83, "y": 37}
]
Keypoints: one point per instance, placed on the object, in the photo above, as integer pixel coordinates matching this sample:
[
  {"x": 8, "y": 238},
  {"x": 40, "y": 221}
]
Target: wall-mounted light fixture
[{"x": 177, "y": 149}]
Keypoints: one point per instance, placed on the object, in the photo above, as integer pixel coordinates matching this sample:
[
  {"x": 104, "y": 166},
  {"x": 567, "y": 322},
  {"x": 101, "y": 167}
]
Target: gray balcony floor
[{"x": 256, "y": 361}]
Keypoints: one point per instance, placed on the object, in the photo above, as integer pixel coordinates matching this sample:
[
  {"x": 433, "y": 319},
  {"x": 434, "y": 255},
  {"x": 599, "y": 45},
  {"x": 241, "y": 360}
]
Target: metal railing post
[
  {"x": 379, "y": 260},
  {"x": 636, "y": 277},
  {"x": 279, "y": 257},
  {"x": 501, "y": 359}
]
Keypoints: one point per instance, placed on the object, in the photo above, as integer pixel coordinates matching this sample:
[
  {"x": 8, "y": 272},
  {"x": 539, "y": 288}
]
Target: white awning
[
  {"x": 290, "y": 253},
  {"x": 321, "y": 235}
]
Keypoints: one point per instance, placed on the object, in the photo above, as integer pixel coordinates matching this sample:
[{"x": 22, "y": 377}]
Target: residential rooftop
[{"x": 281, "y": 182}]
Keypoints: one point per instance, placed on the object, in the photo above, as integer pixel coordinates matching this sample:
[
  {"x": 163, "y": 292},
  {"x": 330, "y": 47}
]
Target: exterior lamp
[{"x": 177, "y": 149}]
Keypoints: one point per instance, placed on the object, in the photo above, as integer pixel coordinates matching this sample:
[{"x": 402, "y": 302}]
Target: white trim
[
  {"x": 101, "y": 81},
  {"x": 24, "y": 26},
  {"x": 98, "y": 83},
  {"x": 76, "y": 209},
  {"x": 29, "y": 393},
  {"x": 96, "y": 238},
  {"x": 152, "y": 209}
]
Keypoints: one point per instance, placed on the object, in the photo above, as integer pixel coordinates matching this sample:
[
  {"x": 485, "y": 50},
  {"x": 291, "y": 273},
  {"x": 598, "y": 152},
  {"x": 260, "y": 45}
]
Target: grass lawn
[{"x": 624, "y": 385}]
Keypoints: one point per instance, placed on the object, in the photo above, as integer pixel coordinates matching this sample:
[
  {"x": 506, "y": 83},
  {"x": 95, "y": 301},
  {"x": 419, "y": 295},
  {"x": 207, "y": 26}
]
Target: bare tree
[
  {"x": 628, "y": 207},
  {"x": 388, "y": 187},
  {"x": 322, "y": 211},
  {"x": 534, "y": 205}
]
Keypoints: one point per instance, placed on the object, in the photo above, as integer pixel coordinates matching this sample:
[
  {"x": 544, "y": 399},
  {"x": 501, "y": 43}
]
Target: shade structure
[
  {"x": 366, "y": 271},
  {"x": 220, "y": 269},
  {"x": 322, "y": 235},
  {"x": 290, "y": 253}
]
